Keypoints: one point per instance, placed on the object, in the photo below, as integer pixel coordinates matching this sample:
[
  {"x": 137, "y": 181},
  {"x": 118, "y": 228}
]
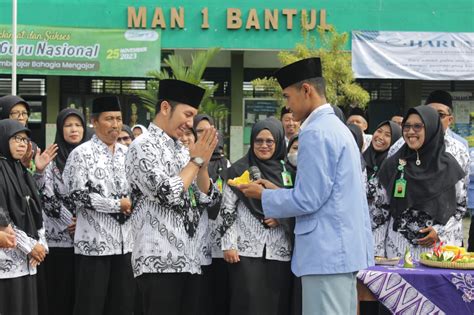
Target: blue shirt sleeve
[{"x": 317, "y": 165}]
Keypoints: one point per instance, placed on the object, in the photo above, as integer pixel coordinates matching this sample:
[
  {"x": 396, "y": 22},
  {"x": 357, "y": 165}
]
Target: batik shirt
[
  {"x": 95, "y": 179},
  {"x": 14, "y": 262},
  {"x": 166, "y": 234},
  {"x": 243, "y": 232},
  {"x": 403, "y": 232},
  {"x": 57, "y": 206}
]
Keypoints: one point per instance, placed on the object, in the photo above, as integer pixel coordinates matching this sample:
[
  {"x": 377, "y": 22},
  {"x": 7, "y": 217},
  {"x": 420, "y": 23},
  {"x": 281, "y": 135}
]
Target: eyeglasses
[
  {"x": 416, "y": 127},
  {"x": 268, "y": 142},
  {"x": 20, "y": 139},
  {"x": 124, "y": 139},
  {"x": 443, "y": 115},
  {"x": 17, "y": 114}
]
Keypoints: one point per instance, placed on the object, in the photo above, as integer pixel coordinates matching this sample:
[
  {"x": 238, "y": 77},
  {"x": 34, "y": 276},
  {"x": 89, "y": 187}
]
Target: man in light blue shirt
[{"x": 333, "y": 238}]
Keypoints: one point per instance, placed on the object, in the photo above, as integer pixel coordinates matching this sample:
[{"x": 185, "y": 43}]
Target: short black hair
[
  {"x": 173, "y": 105},
  {"x": 318, "y": 83}
]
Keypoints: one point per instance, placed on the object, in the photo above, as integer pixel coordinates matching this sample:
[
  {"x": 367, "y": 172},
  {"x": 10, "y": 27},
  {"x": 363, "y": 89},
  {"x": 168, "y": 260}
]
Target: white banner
[{"x": 413, "y": 55}]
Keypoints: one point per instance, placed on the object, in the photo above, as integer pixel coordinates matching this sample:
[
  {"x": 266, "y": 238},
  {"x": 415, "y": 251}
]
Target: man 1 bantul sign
[{"x": 269, "y": 19}]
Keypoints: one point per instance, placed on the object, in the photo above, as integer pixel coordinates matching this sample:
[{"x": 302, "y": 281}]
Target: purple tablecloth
[{"x": 421, "y": 290}]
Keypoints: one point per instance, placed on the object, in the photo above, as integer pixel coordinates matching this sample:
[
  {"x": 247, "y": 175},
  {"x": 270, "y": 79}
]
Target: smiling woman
[
  {"x": 258, "y": 248},
  {"x": 423, "y": 188}
]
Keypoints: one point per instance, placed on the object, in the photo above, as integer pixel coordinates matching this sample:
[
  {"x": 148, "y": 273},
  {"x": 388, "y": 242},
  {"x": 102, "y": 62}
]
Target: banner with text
[
  {"x": 80, "y": 51},
  {"x": 413, "y": 55}
]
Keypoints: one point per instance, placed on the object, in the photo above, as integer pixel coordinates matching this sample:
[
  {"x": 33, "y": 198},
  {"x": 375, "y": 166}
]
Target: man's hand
[
  {"x": 7, "y": 240},
  {"x": 43, "y": 159},
  {"x": 266, "y": 184},
  {"x": 126, "y": 206},
  {"x": 231, "y": 256},
  {"x": 429, "y": 239},
  {"x": 251, "y": 190},
  {"x": 26, "y": 159},
  {"x": 205, "y": 146},
  {"x": 38, "y": 253},
  {"x": 72, "y": 227},
  {"x": 271, "y": 222}
]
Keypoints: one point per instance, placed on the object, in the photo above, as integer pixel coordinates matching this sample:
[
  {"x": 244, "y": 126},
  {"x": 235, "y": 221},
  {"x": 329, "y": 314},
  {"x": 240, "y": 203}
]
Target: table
[{"x": 419, "y": 290}]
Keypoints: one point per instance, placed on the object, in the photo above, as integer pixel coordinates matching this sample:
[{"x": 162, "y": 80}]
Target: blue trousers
[{"x": 334, "y": 294}]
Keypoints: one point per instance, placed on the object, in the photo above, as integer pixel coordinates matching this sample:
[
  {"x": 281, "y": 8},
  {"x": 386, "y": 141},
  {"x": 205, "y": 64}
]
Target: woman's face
[
  {"x": 73, "y": 130},
  {"x": 18, "y": 145},
  {"x": 414, "y": 132},
  {"x": 187, "y": 138},
  {"x": 124, "y": 138},
  {"x": 201, "y": 126},
  {"x": 264, "y": 145},
  {"x": 137, "y": 131},
  {"x": 294, "y": 147},
  {"x": 382, "y": 138},
  {"x": 19, "y": 112}
]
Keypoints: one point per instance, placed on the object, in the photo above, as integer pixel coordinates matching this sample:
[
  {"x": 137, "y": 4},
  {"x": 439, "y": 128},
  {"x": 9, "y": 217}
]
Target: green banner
[{"x": 79, "y": 51}]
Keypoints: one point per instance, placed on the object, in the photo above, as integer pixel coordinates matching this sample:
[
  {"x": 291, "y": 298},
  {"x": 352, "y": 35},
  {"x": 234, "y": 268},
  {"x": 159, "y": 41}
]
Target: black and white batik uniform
[
  {"x": 96, "y": 181},
  {"x": 242, "y": 231},
  {"x": 400, "y": 233},
  {"x": 57, "y": 207},
  {"x": 165, "y": 223},
  {"x": 14, "y": 262}
]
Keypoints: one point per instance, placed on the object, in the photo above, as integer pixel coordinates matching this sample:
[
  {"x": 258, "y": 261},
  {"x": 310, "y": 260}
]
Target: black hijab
[
  {"x": 373, "y": 159},
  {"x": 64, "y": 148},
  {"x": 18, "y": 192},
  {"x": 8, "y": 102},
  {"x": 430, "y": 187},
  {"x": 357, "y": 134},
  {"x": 270, "y": 169},
  {"x": 218, "y": 163}
]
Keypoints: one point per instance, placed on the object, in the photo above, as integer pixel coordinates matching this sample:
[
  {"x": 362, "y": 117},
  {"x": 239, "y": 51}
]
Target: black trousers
[
  {"x": 18, "y": 296},
  {"x": 260, "y": 287},
  {"x": 170, "y": 293},
  {"x": 59, "y": 268},
  {"x": 215, "y": 288},
  {"x": 104, "y": 285}
]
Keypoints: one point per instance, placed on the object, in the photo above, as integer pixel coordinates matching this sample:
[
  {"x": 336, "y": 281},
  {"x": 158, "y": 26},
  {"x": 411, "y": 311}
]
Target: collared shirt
[
  {"x": 306, "y": 121},
  {"x": 166, "y": 233},
  {"x": 57, "y": 206},
  {"x": 95, "y": 178}
]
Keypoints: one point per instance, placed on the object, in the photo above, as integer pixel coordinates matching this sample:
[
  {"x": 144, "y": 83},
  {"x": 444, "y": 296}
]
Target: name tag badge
[
  {"x": 400, "y": 188},
  {"x": 286, "y": 177}
]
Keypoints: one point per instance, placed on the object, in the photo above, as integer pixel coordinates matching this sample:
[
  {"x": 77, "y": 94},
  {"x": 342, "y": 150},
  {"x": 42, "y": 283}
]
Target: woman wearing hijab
[
  {"x": 215, "y": 291},
  {"x": 139, "y": 130},
  {"x": 59, "y": 218},
  {"x": 22, "y": 206},
  {"x": 423, "y": 187},
  {"x": 386, "y": 134},
  {"x": 126, "y": 136},
  {"x": 258, "y": 249}
]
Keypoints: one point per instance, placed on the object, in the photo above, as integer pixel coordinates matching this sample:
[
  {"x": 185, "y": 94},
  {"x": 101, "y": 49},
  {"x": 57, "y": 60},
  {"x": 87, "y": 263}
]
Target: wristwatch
[{"x": 198, "y": 161}]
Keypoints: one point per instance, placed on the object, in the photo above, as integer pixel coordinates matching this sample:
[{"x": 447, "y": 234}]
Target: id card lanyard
[
  {"x": 219, "y": 182},
  {"x": 401, "y": 183},
  {"x": 286, "y": 176},
  {"x": 192, "y": 198}
]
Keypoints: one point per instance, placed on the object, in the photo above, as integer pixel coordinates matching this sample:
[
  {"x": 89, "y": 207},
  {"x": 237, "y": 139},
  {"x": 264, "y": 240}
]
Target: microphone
[{"x": 255, "y": 173}]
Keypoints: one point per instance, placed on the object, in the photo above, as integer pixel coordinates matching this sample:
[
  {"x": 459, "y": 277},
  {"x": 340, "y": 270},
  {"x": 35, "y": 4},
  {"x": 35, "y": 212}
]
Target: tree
[
  {"x": 341, "y": 88},
  {"x": 192, "y": 74}
]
